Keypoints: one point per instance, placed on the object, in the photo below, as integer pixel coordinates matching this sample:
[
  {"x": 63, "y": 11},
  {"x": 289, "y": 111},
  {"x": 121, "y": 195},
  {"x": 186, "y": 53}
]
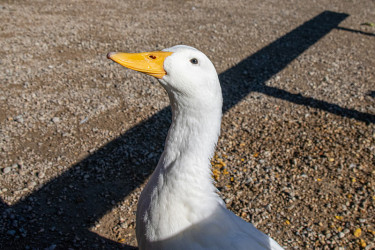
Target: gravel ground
[{"x": 80, "y": 135}]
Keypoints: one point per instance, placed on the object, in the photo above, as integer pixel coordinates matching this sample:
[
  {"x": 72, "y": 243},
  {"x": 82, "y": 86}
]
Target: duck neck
[
  {"x": 191, "y": 141},
  {"x": 181, "y": 190}
]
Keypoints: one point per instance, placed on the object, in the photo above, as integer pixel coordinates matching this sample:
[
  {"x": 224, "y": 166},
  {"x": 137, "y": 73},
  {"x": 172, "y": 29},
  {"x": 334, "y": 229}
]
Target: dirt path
[{"x": 79, "y": 135}]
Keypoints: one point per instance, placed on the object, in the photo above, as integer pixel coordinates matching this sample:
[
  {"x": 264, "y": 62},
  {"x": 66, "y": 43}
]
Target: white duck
[{"x": 179, "y": 208}]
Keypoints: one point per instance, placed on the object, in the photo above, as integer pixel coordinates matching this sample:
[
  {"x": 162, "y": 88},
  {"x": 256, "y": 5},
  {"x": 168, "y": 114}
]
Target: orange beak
[{"x": 150, "y": 63}]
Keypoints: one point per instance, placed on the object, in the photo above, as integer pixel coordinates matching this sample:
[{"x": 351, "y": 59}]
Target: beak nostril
[{"x": 152, "y": 56}]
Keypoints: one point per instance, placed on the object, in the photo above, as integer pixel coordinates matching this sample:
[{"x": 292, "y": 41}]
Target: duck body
[{"x": 180, "y": 208}]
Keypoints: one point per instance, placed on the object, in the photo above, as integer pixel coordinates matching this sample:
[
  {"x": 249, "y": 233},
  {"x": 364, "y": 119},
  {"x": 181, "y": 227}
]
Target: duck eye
[
  {"x": 194, "y": 61},
  {"x": 152, "y": 56}
]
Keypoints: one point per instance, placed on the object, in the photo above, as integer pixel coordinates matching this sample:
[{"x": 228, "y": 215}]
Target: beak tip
[{"x": 110, "y": 54}]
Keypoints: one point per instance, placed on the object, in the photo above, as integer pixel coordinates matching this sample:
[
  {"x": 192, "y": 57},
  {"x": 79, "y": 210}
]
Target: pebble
[
  {"x": 31, "y": 184},
  {"x": 124, "y": 225},
  {"x": 84, "y": 120},
  {"x": 362, "y": 220},
  {"x": 7, "y": 170},
  {"x": 328, "y": 235},
  {"x": 11, "y": 232},
  {"x": 52, "y": 247},
  {"x": 55, "y": 119},
  {"x": 19, "y": 119}
]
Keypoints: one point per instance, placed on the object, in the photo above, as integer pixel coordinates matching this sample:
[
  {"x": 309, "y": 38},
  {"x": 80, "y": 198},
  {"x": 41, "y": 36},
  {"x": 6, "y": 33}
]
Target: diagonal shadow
[
  {"x": 270, "y": 60},
  {"x": 356, "y": 31},
  {"x": 62, "y": 211}
]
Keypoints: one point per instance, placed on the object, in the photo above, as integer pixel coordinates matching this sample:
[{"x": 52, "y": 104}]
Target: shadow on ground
[
  {"x": 356, "y": 31},
  {"x": 62, "y": 211}
]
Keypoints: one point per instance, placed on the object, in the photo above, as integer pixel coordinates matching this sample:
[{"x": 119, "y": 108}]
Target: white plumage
[{"x": 179, "y": 208}]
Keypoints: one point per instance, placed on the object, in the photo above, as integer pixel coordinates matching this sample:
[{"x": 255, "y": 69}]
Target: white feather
[{"x": 179, "y": 208}]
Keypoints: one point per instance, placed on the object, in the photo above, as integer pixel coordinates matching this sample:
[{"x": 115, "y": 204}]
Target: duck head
[{"x": 185, "y": 72}]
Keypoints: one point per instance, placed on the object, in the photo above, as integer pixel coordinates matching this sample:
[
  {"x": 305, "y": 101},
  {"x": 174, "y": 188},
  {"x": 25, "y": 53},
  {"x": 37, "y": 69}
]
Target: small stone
[
  {"x": 357, "y": 233},
  {"x": 84, "y": 120},
  {"x": 19, "y": 118},
  {"x": 328, "y": 235},
  {"x": 7, "y": 170},
  {"x": 362, "y": 243},
  {"x": 41, "y": 175},
  {"x": 15, "y": 223},
  {"x": 55, "y": 119},
  {"x": 11, "y": 232},
  {"x": 52, "y": 247},
  {"x": 31, "y": 184},
  {"x": 124, "y": 225}
]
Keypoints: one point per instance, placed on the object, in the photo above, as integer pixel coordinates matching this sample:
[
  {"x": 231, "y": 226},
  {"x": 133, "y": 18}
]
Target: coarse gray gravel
[{"x": 80, "y": 135}]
